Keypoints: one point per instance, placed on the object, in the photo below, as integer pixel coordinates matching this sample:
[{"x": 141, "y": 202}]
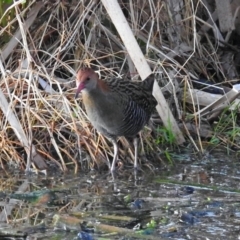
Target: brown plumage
[{"x": 116, "y": 107}]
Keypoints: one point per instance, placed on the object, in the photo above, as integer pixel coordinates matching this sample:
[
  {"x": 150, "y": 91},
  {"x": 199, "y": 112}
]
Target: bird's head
[{"x": 86, "y": 80}]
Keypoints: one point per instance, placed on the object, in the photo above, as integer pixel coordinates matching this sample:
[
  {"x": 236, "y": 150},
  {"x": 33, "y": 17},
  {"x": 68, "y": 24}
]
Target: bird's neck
[
  {"x": 96, "y": 96},
  {"x": 102, "y": 86}
]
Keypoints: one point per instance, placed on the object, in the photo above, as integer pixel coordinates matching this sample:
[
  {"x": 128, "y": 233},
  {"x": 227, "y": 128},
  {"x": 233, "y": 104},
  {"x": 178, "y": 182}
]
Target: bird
[{"x": 116, "y": 107}]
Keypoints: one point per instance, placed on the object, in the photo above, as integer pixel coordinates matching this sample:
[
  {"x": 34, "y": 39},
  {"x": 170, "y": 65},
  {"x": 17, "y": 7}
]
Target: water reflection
[{"x": 180, "y": 201}]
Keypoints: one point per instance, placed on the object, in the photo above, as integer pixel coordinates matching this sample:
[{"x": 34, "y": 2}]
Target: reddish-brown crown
[
  {"x": 88, "y": 80},
  {"x": 84, "y": 75}
]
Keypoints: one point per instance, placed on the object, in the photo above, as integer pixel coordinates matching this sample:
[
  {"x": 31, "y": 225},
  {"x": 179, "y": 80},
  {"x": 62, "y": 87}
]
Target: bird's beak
[{"x": 80, "y": 87}]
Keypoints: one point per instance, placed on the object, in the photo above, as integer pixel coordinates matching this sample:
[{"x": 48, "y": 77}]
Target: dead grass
[{"x": 38, "y": 72}]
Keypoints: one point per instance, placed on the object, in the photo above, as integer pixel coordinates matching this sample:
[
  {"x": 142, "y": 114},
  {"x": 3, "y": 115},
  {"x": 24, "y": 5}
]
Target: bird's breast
[
  {"x": 103, "y": 112},
  {"x": 115, "y": 115}
]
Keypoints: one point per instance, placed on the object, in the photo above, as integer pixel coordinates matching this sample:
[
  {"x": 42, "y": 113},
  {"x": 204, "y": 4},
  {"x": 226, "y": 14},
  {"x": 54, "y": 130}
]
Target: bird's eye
[{"x": 88, "y": 78}]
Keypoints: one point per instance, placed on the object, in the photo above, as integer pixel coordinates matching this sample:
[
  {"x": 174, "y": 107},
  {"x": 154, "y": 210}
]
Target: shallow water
[{"x": 196, "y": 198}]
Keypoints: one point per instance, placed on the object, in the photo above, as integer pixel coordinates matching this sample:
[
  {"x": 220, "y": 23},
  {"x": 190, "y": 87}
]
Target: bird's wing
[{"x": 138, "y": 92}]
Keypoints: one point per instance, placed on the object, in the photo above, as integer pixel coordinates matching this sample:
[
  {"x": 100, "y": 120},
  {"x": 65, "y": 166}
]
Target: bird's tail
[{"x": 147, "y": 84}]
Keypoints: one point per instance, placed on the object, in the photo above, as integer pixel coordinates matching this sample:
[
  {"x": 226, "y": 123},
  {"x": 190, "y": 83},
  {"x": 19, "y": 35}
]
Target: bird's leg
[
  {"x": 115, "y": 147},
  {"x": 135, "y": 143}
]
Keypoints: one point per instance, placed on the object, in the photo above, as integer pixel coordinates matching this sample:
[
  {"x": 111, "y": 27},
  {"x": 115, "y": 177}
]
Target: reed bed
[{"x": 44, "y": 44}]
